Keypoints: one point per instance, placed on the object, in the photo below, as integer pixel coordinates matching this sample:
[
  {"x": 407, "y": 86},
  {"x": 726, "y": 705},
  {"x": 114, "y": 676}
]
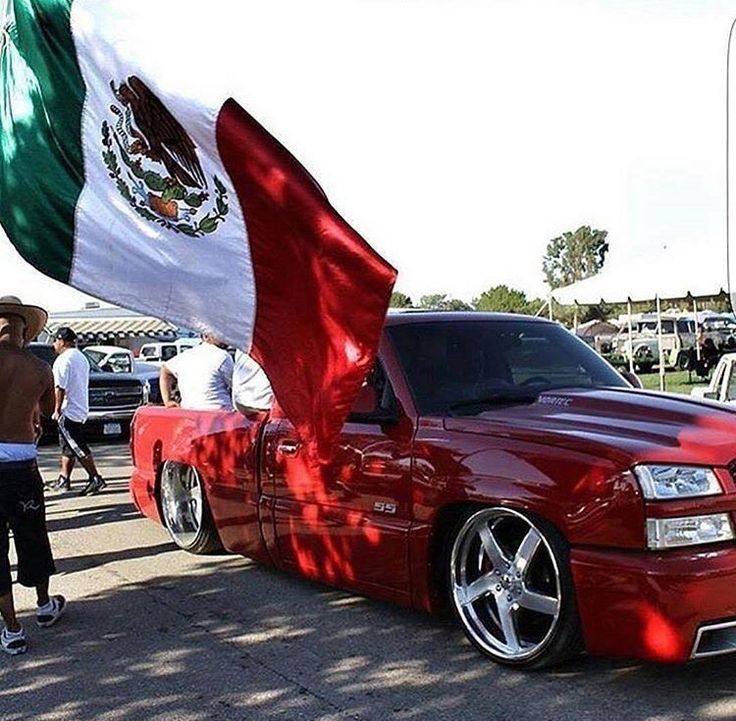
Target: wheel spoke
[
  {"x": 507, "y": 617},
  {"x": 181, "y": 499},
  {"x": 505, "y": 584},
  {"x": 527, "y": 548},
  {"x": 539, "y": 602},
  {"x": 480, "y": 587},
  {"x": 491, "y": 547}
]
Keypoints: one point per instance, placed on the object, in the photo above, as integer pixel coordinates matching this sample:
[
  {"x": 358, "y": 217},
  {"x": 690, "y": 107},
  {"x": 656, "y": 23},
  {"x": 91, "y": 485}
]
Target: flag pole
[
  {"x": 662, "y": 384},
  {"x": 630, "y": 337}
]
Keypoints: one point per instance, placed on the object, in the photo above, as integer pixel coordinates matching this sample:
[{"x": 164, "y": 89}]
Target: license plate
[{"x": 112, "y": 429}]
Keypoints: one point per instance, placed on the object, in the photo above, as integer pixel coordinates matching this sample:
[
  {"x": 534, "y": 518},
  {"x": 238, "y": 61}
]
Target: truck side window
[
  {"x": 382, "y": 396},
  {"x": 731, "y": 390},
  {"x": 718, "y": 380}
]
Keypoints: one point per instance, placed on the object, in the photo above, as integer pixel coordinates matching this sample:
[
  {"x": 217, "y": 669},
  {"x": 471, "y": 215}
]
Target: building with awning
[{"x": 113, "y": 326}]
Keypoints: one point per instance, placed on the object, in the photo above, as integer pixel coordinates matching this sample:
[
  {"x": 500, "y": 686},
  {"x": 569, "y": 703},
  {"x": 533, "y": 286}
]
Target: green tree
[
  {"x": 573, "y": 256},
  {"x": 440, "y": 301},
  {"x": 400, "y": 300},
  {"x": 502, "y": 299}
]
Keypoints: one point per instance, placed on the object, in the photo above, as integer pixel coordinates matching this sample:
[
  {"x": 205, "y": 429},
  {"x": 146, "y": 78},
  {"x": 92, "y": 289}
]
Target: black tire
[
  {"x": 644, "y": 367},
  {"x": 565, "y": 639},
  {"x": 199, "y": 539},
  {"x": 683, "y": 360}
]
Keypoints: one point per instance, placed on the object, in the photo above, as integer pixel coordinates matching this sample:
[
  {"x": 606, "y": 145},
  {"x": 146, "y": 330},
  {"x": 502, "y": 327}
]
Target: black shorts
[
  {"x": 72, "y": 439},
  {"x": 22, "y": 511}
]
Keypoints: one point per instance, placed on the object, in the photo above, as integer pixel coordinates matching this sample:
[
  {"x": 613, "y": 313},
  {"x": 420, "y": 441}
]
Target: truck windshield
[
  {"x": 94, "y": 367},
  {"x": 94, "y": 355},
  {"x": 452, "y": 364}
]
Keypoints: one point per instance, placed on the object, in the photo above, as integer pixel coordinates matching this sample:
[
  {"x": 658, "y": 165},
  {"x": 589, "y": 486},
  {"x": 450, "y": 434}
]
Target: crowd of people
[{"x": 207, "y": 377}]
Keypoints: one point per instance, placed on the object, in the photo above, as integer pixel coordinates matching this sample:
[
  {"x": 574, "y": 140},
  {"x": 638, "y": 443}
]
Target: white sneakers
[
  {"x": 49, "y": 614},
  {"x": 13, "y": 642},
  {"x": 16, "y": 643}
]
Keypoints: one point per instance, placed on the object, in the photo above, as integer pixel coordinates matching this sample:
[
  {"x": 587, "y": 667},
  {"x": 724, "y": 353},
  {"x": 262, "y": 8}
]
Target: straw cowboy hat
[{"x": 34, "y": 317}]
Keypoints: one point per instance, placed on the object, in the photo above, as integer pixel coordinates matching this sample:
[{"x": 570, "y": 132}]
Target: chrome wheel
[
  {"x": 182, "y": 503},
  {"x": 505, "y": 584}
]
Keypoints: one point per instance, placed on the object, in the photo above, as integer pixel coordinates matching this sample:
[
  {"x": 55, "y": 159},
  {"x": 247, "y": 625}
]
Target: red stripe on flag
[{"x": 321, "y": 291}]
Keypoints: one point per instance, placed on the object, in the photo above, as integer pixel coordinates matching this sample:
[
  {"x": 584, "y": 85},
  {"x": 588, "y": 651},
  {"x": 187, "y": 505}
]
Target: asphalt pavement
[{"x": 154, "y": 633}]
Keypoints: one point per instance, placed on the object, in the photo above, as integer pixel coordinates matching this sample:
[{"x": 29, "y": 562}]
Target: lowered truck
[{"x": 494, "y": 464}]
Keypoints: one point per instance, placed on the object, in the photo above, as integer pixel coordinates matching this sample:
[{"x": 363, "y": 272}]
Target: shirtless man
[{"x": 26, "y": 387}]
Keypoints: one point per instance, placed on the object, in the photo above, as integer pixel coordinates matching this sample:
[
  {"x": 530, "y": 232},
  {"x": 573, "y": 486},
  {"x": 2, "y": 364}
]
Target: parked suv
[{"x": 113, "y": 397}]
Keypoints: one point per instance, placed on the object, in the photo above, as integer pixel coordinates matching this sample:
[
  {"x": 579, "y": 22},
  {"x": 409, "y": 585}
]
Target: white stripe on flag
[{"x": 204, "y": 283}]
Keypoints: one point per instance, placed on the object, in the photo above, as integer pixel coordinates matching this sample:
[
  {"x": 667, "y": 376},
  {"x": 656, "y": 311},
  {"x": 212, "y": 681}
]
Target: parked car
[
  {"x": 678, "y": 337},
  {"x": 160, "y": 352},
  {"x": 114, "y": 359},
  {"x": 113, "y": 397},
  {"x": 492, "y": 463},
  {"x": 721, "y": 327},
  {"x": 722, "y": 385}
]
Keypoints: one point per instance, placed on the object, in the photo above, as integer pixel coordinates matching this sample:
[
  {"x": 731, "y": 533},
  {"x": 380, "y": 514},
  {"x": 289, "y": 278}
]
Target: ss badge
[{"x": 382, "y": 507}]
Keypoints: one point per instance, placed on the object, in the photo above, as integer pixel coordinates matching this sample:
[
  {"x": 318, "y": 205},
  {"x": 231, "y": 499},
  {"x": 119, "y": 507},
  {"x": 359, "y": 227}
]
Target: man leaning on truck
[
  {"x": 27, "y": 386},
  {"x": 204, "y": 376}
]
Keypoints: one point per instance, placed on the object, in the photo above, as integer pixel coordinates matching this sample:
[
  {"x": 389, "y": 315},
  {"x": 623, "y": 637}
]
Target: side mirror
[{"x": 631, "y": 378}]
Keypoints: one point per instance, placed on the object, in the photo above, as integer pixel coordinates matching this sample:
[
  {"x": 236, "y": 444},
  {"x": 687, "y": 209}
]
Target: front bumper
[
  {"x": 105, "y": 415},
  {"x": 651, "y": 605}
]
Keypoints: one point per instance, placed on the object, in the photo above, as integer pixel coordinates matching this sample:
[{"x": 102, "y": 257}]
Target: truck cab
[{"x": 722, "y": 385}]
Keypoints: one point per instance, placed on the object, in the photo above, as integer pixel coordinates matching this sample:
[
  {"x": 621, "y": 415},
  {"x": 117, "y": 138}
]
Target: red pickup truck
[{"x": 492, "y": 463}]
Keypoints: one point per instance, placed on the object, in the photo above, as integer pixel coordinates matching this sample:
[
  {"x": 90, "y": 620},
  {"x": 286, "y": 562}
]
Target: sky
[{"x": 460, "y": 136}]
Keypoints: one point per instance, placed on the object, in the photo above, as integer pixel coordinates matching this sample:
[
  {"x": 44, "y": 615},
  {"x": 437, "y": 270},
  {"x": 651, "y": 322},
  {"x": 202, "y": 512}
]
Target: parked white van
[{"x": 160, "y": 352}]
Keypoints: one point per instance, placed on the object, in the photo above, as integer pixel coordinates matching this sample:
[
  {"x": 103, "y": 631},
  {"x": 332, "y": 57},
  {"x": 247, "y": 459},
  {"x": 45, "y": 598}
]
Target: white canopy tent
[
  {"x": 694, "y": 273},
  {"x": 672, "y": 275}
]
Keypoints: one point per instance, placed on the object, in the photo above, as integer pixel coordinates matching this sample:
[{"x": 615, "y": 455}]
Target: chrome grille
[{"x": 116, "y": 396}]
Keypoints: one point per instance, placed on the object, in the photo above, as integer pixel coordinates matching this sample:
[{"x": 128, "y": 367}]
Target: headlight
[
  {"x": 672, "y": 482},
  {"x": 688, "y": 531}
]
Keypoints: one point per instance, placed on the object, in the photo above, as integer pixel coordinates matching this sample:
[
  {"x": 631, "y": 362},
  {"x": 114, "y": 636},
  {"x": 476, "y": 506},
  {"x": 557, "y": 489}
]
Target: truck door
[
  {"x": 728, "y": 384},
  {"x": 348, "y": 522}
]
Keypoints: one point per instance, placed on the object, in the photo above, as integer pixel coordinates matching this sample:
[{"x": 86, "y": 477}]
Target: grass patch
[{"x": 676, "y": 382}]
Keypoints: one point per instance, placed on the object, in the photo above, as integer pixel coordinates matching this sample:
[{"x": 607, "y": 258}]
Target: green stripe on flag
[{"x": 41, "y": 161}]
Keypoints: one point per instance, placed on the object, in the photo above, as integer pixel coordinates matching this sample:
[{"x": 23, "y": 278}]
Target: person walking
[
  {"x": 204, "y": 376},
  {"x": 71, "y": 408},
  {"x": 27, "y": 389}
]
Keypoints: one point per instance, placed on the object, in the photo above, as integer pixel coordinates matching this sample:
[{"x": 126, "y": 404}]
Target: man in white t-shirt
[
  {"x": 71, "y": 381},
  {"x": 252, "y": 392},
  {"x": 204, "y": 375}
]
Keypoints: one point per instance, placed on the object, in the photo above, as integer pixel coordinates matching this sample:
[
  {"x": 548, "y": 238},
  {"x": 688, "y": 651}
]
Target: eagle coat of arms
[{"x": 154, "y": 164}]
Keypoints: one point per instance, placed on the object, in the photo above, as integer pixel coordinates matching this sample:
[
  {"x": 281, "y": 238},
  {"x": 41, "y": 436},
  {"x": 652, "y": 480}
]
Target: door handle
[{"x": 288, "y": 448}]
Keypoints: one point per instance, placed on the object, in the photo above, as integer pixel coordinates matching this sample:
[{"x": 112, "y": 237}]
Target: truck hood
[
  {"x": 103, "y": 378},
  {"x": 624, "y": 425}
]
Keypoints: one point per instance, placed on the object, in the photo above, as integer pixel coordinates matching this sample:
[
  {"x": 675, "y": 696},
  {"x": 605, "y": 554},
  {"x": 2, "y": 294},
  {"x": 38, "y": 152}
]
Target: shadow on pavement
[
  {"x": 64, "y": 519},
  {"x": 231, "y": 640},
  {"x": 156, "y": 634}
]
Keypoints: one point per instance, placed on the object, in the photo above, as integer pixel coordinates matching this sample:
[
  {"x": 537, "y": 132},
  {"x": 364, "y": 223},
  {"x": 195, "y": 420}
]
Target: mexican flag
[{"x": 119, "y": 180}]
